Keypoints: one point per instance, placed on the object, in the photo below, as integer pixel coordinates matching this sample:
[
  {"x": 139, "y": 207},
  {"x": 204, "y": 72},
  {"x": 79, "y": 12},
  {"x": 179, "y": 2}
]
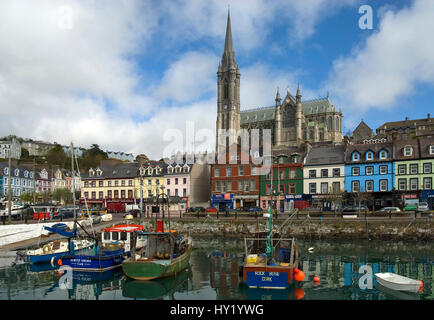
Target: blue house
[
  {"x": 369, "y": 168},
  {"x": 21, "y": 180}
]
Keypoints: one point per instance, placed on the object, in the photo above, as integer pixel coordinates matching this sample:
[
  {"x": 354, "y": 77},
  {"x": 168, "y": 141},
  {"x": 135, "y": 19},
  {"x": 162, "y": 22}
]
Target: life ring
[{"x": 46, "y": 248}]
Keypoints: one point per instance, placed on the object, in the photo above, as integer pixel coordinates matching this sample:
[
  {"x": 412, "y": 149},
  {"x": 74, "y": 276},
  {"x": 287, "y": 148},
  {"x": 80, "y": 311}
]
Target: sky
[{"x": 139, "y": 76}]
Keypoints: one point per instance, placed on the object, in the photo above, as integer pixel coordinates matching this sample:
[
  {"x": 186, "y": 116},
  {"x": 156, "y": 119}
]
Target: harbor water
[{"x": 342, "y": 266}]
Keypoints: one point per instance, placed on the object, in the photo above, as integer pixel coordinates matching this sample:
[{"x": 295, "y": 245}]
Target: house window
[
  {"x": 356, "y": 156},
  {"x": 336, "y": 187},
  {"x": 369, "y": 155},
  {"x": 408, "y": 151},
  {"x": 101, "y": 183},
  {"x": 109, "y": 183},
  {"x": 282, "y": 173},
  {"x": 116, "y": 194},
  {"x": 168, "y": 192},
  {"x": 268, "y": 189},
  {"x": 292, "y": 174},
  {"x": 246, "y": 185},
  {"x": 123, "y": 183},
  {"x": 184, "y": 192},
  {"x": 427, "y": 183},
  {"x": 431, "y": 149},
  {"x": 149, "y": 193},
  {"x": 252, "y": 185},
  {"x": 184, "y": 180},
  {"x": 336, "y": 172},
  {"x": 369, "y": 186},
  {"x": 402, "y": 169},
  {"x": 240, "y": 185},
  {"x": 228, "y": 185},
  {"x": 282, "y": 188},
  {"x": 228, "y": 172},
  {"x": 109, "y": 194},
  {"x": 312, "y": 188},
  {"x": 402, "y": 184},
  {"x": 100, "y": 195},
  {"x": 413, "y": 183},
  {"x": 413, "y": 168},
  {"x": 168, "y": 181},
  {"x": 324, "y": 187},
  {"x": 312, "y": 173},
  {"x": 86, "y": 194},
  {"x": 217, "y": 186},
  {"x": 130, "y": 183},
  {"x": 93, "y": 194},
  {"x": 355, "y": 186},
  {"x": 130, "y": 194},
  {"x": 324, "y": 173},
  {"x": 355, "y": 171},
  {"x": 383, "y": 155},
  {"x": 86, "y": 184},
  {"x": 176, "y": 180},
  {"x": 383, "y": 185},
  {"x": 116, "y": 183},
  {"x": 369, "y": 171},
  {"x": 217, "y": 172},
  {"x": 241, "y": 170},
  {"x": 123, "y": 194},
  {"x": 383, "y": 169},
  {"x": 427, "y": 168}
]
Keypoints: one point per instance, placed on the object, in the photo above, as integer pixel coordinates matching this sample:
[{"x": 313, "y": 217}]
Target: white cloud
[
  {"x": 75, "y": 78},
  {"x": 389, "y": 65}
]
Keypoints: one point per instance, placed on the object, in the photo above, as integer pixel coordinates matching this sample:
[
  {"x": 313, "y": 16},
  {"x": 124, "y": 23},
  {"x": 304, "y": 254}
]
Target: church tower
[{"x": 228, "y": 94}]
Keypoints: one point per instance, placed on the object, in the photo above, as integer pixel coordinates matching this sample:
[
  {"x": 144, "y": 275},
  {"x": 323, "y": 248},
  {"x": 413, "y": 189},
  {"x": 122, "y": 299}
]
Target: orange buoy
[
  {"x": 59, "y": 262},
  {"x": 299, "y": 276},
  {"x": 299, "y": 293},
  {"x": 60, "y": 272},
  {"x": 420, "y": 286},
  {"x": 296, "y": 270},
  {"x": 316, "y": 279}
]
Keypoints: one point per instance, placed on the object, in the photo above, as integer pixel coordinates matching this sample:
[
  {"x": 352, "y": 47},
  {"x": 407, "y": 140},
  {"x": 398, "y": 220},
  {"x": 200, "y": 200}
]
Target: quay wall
[{"x": 417, "y": 230}]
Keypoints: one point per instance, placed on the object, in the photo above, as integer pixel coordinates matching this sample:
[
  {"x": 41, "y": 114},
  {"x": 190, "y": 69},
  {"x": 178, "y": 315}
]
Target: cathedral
[{"x": 292, "y": 122}]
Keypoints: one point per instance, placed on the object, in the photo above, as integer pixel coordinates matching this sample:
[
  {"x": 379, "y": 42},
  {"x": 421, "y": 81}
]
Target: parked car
[
  {"x": 241, "y": 209},
  {"x": 389, "y": 209},
  {"x": 135, "y": 213},
  {"x": 211, "y": 209},
  {"x": 66, "y": 213},
  {"x": 422, "y": 206},
  {"x": 196, "y": 209},
  {"x": 255, "y": 209}
]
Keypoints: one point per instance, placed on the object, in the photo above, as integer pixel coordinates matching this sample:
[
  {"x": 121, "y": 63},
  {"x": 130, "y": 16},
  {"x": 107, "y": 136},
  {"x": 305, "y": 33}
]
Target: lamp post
[
  {"x": 141, "y": 197},
  {"x": 9, "y": 184}
]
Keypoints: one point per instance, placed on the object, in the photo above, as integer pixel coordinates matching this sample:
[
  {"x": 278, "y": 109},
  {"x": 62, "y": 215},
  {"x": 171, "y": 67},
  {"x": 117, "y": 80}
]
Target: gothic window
[
  {"x": 227, "y": 121},
  {"x": 226, "y": 90},
  {"x": 337, "y": 124},
  {"x": 330, "y": 124},
  {"x": 223, "y": 121}
]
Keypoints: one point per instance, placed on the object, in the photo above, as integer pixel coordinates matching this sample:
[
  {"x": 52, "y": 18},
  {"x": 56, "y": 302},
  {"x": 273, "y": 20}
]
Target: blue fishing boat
[
  {"x": 101, "y": 258},
  {"x": 53, "y": 251}
]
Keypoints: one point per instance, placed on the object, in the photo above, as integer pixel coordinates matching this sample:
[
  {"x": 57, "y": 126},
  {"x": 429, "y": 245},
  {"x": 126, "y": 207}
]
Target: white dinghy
[{"x": 396, "y": 282}]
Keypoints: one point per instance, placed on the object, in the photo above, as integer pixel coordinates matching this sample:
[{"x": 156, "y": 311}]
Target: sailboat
[{"x": 270, "y": 261}]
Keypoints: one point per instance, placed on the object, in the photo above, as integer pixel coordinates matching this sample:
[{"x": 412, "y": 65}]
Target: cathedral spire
[{"x": 228, "y": 59}]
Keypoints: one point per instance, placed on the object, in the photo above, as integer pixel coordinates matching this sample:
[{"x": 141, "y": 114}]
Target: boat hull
[
  {"x": 155, "y": 269},
  {"x": 397, "y": 282},
  {"x": 47, "y": 257},
  {"x": 267, "y": 277},
  {"x": 90, "y": 263}
]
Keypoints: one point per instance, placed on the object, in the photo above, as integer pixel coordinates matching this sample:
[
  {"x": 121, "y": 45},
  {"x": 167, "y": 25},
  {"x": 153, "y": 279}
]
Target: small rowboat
[{"x": 396, "y": 282}]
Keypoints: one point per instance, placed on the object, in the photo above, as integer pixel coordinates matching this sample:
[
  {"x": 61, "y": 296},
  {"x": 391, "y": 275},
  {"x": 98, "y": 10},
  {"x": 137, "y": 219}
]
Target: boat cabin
[
  {"x": 43, "y": 212},
  {"x": 163, "y": 245},
  {"x": 122, "y": 234}
]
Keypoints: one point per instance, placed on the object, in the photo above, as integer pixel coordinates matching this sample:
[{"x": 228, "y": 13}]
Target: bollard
[
  {"x": 218, "y": 214},
  {"x": 180, "y": 214}
]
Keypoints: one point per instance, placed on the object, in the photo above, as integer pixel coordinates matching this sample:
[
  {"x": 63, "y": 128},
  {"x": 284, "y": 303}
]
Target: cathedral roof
[{"x": 309, "y": 107}]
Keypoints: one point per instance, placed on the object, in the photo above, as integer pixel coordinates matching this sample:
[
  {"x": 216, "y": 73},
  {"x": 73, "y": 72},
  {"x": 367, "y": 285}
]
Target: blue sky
[{"x": 131, "y": 75}]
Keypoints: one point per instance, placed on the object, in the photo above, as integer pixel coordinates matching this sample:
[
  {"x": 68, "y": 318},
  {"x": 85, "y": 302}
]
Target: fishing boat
[
  {"x": 54, "y": 250},
  {"x": 270, "y": 261},
  {"x": 397, "y": 282},
  {"x": 166, "y": 254}
]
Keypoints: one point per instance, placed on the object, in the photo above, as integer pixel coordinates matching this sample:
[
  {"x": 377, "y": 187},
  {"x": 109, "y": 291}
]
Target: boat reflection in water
[
  {"x": 293, "y": 292},
  {"x": 157, "y": 288}
]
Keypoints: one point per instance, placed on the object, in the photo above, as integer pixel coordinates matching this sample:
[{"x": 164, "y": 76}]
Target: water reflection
[{"x": 214, "y": 274}]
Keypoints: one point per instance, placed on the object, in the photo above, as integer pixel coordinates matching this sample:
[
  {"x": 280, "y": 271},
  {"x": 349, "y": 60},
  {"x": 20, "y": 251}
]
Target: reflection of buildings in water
[
  {"x": 200, "y": 266},
  {"x": 224, "y": 275},
  {"x": 345, "y": 273}
]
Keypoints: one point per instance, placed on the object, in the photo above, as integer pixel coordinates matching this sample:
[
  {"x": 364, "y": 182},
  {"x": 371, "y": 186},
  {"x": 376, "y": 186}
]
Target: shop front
[
  {"x": 298, "y": 201},
  {"x": 222, "y": 202},
  {"x": 428, "y": 197},
  {"x": 246, "y": 201},
  {"x": 118, "y": 205}
]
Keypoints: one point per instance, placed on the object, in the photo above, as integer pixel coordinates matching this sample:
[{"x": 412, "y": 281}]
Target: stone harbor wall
[{"x": 393, "y": 230}]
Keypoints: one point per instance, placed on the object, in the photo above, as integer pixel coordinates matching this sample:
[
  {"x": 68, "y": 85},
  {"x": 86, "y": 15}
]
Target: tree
[
  {"x": 26, "y": 197},
  {"x": 92, "y": 157},
  {"x": 62, "y": 195},
  {"x": 56, "y": 155},
  {"x": 45, "y": 196},
  {"x": 24, "y": 153}
]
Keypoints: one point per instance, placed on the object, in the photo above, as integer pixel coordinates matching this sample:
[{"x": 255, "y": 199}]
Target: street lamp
[{"x": 141, "y": 196}]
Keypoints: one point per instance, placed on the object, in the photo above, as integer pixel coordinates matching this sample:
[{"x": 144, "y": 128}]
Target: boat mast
[
  {"x": 269, "y": 245},
  {"x": 73, "y": 180}
]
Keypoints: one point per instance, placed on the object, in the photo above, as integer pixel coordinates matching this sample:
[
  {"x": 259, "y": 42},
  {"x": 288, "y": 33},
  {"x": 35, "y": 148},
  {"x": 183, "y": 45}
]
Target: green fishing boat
[{"x": 166, "y": 254}]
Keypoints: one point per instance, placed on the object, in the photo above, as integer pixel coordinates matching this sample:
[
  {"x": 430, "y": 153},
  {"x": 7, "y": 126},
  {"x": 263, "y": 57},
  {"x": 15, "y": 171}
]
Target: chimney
[
  {"x": 406, "y": 118},
  {"x": 429, "y": 116}
]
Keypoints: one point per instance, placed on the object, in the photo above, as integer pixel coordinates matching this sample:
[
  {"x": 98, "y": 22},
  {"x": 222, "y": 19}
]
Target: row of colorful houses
[
  {"x": 390, "y": 172},
  {"x": 114, "y": 185},
  {"x": 26, "y": 179}
]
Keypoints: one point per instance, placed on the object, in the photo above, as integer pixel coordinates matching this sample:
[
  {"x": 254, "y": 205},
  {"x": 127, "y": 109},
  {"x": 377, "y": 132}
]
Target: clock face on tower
[{"x": 225, "y": 107}]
